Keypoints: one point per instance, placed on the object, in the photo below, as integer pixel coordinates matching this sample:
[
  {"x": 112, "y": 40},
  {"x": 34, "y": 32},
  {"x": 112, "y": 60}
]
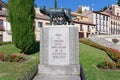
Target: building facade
[
  {"x": 83, "y": 8},
  {"x": 113, "y": 9},
  {"x": 114, "y": 12},
  {"x": 5, "y": 33},
  {"x": 114, "y": 24},
  {"x": 100, "y": 19},
  {"x": 85, "y": 27}
]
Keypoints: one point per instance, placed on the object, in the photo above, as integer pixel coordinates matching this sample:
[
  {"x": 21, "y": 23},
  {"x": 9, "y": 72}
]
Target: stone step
[{"x": 57, "y": 77}]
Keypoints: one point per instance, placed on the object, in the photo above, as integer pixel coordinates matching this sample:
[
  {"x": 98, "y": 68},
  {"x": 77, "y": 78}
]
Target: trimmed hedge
[
  {"x": 93, "y": 44},
  {"x": 112, "y": 53},
  {"x": 5, "y": 43}
]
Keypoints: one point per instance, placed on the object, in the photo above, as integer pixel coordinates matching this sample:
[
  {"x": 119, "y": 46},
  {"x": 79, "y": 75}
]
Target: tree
[
  {"x": 21, "y": 15},
  {"x": 118, "y": 2},
  {"x": 79, "y": 11},
  {"x": 55, "y": 4}
]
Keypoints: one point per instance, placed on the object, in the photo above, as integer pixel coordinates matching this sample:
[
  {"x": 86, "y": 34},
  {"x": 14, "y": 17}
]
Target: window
[
  {"x": 96, "y": 16},
  {"x": 96, "y": 28},
  {"x": 1, "y": 38},
  {"x": 1, "y": 22},
  {"x": 88, "y": 28},
  {"x": 106, "y": 18},
  {"x": 81, "y": 29},
  {"x": 0, "y": 7},
  {"x": 40, "y": 24},
  {"x": 81, "y": 18},
  {"x": 47, "y": 23},
  {"x": 103, "y": 17}
]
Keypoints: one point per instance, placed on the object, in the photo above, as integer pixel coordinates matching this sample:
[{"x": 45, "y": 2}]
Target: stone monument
[{"x": 59, "y": 50}]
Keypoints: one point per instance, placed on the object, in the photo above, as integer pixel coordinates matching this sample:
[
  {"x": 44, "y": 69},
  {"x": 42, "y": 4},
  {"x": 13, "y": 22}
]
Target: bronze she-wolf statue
[{"x": 58, "y": 16}]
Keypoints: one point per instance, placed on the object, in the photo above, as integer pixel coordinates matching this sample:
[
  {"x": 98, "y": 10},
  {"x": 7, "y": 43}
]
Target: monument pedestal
[{"x": 59, "y": 53}]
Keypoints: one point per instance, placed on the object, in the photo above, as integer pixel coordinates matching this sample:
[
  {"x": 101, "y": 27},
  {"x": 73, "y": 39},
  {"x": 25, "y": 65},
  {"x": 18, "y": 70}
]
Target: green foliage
[
  {"x": 102, "y": 65},
  {"x": 7, "y": 69},
  {"x": 30, "y": 74},
  {"x": 55, "y": 4},
  {"x": 107, "y": 65},
  {"x": 90, "y": 57},
  {"x": 93, "y": 44},
  {"x": 11, "y": 58},
  {"x": 5, "y": 43},
  {"x": 21, "y": 15},
  {"x": 112, "y": 53},
  {"x": 118, "y": 2},
  {"x": 79, "y": 11}
]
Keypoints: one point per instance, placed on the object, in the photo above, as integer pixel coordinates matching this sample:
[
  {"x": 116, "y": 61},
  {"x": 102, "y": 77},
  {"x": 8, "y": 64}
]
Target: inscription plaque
[{"x": 58, "y": 46}]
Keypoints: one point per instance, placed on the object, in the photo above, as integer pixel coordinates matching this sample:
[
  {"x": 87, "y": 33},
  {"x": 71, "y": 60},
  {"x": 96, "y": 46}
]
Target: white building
[
  {"x": 113, "y": 9},
  {"x": 114, "y": 12},
  {"x": 114, "y": 24},
  {"x": 100, "y": 19},
  {"x": 83, "y": 8}
]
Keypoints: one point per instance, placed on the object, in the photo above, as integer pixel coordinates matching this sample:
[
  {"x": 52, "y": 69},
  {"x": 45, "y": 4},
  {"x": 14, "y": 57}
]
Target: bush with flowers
[
  {"x": 112, "y": 53},
  {"x": 11, "y": 58},
  {"x": 107, "y": 64}
]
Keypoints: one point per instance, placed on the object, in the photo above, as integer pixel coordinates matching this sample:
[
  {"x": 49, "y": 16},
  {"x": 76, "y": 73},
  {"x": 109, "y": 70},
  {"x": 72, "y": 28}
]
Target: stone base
[
  {"x": 57, "y": 77},
  {"x": 52, "y": 72},
  {"x": 59, "y": 70}
]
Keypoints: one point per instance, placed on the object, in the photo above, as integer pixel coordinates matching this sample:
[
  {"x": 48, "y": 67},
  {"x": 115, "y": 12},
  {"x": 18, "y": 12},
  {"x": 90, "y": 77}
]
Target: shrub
[
  {"x": 12, "y": 58},
  {"x": 107, "y": 65},
  {"x": 21, "y": 17},
  {"x": 112, "y": 53},
  {"x": 5, "y": 43},
  {"x": 93, "y": 44},
  {"x": 1, "y": 57},
  {"x": 102, "y": 65},
  {"x": 115, "y": 40}
]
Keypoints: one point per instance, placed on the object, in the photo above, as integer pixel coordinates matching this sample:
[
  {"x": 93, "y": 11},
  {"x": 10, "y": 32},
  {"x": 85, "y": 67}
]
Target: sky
[{"x": 74, "y": 4}]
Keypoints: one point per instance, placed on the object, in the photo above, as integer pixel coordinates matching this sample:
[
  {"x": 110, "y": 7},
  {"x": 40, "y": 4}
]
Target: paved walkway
[{"x": 102, "y": 39}]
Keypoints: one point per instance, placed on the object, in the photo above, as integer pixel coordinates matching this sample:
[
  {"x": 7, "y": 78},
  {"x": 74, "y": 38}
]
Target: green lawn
[
  {"x": 13, "y": 71},
  {"x": 89, "y": 58}
]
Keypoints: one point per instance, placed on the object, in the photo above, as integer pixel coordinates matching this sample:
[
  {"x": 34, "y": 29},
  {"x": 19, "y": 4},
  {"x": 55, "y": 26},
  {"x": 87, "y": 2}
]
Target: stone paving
[{"x": 102, "y": 39}]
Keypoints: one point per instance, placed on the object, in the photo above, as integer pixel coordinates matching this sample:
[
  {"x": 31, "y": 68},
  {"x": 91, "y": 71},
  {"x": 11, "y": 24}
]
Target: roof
[
  {"x": 84, "y": 22},
  {"x": 44, "y": 17},
  {"x": 103, "y": 13},
  {"x": 2, "y": 3},
  {"x": 77, "y": 14}
]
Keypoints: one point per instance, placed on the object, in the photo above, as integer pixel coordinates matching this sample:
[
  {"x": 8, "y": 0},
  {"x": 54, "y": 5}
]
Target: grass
[
  {"x": 13, "y": 71},
  {"x": 89, "y": 58}
]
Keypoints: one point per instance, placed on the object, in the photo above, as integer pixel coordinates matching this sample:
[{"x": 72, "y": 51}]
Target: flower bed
[
  {"x": 11, "y": 58},
  {"x": 112, "y": 53}
]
